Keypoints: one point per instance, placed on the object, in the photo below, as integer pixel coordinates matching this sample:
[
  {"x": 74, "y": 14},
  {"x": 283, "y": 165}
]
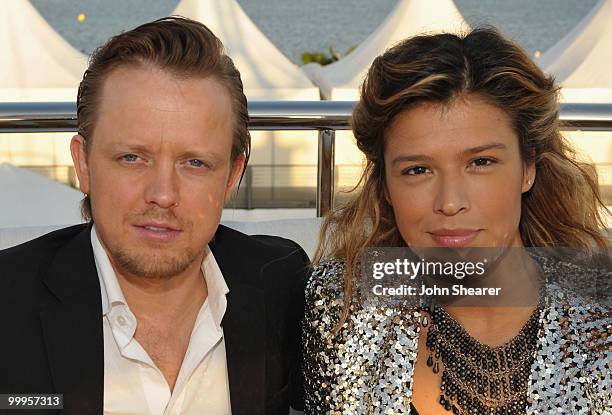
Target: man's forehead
[
  {"x": 150, "y": 104},
  {"x": 156, "y": 138},
  {"x": 162, "y": 90}
]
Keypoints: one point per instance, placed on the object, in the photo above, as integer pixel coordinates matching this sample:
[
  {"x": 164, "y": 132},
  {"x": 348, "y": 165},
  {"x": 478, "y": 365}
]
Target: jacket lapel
[
  {"x": 72, "y": 328},
  {"x": 243, "y": 325}
]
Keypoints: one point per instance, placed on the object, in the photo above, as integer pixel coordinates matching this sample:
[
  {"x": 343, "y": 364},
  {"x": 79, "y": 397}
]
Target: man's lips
[
  {"x": 156, "y": 231},
  {"x": 454, "y": 237}
]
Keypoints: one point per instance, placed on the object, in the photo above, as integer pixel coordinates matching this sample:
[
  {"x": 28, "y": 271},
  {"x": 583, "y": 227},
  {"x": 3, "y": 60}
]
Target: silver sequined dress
[{"x": 368, "y": 367}]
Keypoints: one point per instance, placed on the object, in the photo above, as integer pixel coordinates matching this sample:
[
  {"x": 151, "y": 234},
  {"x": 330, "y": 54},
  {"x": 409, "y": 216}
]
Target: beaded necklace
[{"x": 476, "y": 378}]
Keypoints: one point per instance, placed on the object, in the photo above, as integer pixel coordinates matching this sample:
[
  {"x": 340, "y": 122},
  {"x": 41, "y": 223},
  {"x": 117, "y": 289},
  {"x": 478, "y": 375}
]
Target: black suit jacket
[{"x": 51, "y": 320}]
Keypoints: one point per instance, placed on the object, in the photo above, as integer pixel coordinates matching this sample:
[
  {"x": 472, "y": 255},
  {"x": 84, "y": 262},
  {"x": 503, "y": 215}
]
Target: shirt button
[{"x": 122, "y": 321}]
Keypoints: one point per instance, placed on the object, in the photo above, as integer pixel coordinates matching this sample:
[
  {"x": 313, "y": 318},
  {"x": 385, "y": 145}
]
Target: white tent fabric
[
  {"x": 580, "y": 63},
  {"x": 340, "y": 80},
  {"x": 30, "y": 199},
  {"x": 266, "y": 73},
  {"x": 581, "y": 59},
  {"x": 37, "y": 64},
  {"x": 33, "y": 54}
]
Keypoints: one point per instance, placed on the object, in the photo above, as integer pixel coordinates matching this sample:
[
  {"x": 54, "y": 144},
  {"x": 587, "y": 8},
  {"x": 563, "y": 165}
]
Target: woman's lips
[{"x": 454, "y": 237}]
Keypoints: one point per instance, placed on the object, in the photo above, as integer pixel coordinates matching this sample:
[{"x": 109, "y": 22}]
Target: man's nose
[
  {"x": 452, "y": 195},
  {"x": 162, "y": 187}
]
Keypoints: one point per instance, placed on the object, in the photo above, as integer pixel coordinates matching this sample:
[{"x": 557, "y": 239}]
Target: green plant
[{"x": 322, "y": 58}]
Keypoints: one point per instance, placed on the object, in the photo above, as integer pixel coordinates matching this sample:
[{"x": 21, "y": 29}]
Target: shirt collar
[
  {"x": 109, "y": 286},
  {"x": 216, "y": 286},
  {"x": 112, "y": 295}
]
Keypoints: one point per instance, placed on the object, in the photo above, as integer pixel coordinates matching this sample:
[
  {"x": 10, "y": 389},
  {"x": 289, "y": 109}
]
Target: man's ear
[
  {"x": 79, "y": 158},
  {"x": 235, "y": 173}
]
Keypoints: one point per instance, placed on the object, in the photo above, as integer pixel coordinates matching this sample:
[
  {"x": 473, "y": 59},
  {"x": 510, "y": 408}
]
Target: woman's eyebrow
[
  {"x": 484, "y": 147},
  {"x": 473, "y": 150},
  {"x": 411, "y": 157}
]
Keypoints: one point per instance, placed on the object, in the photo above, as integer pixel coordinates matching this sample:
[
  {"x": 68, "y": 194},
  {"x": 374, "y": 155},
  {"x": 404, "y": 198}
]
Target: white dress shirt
[{"x": 132, "y": 382}]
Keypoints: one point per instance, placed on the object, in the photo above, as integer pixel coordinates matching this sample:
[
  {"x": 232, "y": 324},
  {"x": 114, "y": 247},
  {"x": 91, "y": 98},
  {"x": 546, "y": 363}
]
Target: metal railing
[{"x": 323, "y": 116}]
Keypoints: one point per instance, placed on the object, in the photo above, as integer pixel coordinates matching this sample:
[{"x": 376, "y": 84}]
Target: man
[{"x": 153, "y": 307}]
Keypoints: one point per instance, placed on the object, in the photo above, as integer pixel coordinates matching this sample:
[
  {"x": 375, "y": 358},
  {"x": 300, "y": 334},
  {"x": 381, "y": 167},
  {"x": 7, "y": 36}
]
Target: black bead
[{"x": 430, "y": 361}]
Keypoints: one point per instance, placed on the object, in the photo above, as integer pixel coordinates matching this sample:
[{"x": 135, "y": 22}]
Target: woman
[{"x": 461, "y": 136}]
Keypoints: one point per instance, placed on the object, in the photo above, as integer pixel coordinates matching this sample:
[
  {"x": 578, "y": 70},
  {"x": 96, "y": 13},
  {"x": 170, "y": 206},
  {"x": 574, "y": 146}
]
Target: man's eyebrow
[
  {"x": 129, "y": 147},
  {"x": 190, "y": 154},
  {"x": 208, "y": 155}
]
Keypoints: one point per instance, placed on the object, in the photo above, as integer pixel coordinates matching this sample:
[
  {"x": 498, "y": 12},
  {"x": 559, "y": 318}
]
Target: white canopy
[
  {"x": 36, "y": 64},
  {"x": 266, "y": 73},
  {"x": 34, "y": 55},
  {"x": 582, "y": 58},
  {"x": 30, "y": 199},
  {"x": 341, "y": 79}
]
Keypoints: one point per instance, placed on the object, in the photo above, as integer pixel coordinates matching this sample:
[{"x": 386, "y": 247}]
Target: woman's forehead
[{"x": 467, "y": 122}]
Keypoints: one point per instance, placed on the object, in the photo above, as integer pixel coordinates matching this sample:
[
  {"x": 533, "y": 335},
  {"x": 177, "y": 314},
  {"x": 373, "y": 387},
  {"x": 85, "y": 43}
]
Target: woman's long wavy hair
[{"x": 562, "y": 209}]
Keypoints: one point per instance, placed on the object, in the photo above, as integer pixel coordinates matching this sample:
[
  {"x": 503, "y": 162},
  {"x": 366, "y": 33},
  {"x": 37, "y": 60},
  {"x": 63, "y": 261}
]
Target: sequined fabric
[{"x": 368, "y": 367}]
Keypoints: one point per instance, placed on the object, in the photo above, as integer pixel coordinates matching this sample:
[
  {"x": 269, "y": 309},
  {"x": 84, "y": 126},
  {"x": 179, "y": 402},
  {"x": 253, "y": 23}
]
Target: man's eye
[
  {"x": 415, "y": 171},
  {"x": 129, "y": 158},
  {"x": 196, "y": 163}
]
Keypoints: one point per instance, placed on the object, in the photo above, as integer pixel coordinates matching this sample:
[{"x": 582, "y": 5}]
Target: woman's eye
[
  {"x": 482, "y": 162},
  {"x": 414, "y": 171},
  {"x": 129, "y": 158}
]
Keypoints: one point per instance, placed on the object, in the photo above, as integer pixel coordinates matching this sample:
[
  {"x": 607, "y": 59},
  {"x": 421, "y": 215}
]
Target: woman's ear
[
  {"x": 529, "y": 176},
  {"x": 386, "y": 193}
]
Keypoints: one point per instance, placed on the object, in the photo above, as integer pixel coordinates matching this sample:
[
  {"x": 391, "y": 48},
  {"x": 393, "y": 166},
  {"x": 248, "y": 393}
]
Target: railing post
[{"x": 325, "y": 171}]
